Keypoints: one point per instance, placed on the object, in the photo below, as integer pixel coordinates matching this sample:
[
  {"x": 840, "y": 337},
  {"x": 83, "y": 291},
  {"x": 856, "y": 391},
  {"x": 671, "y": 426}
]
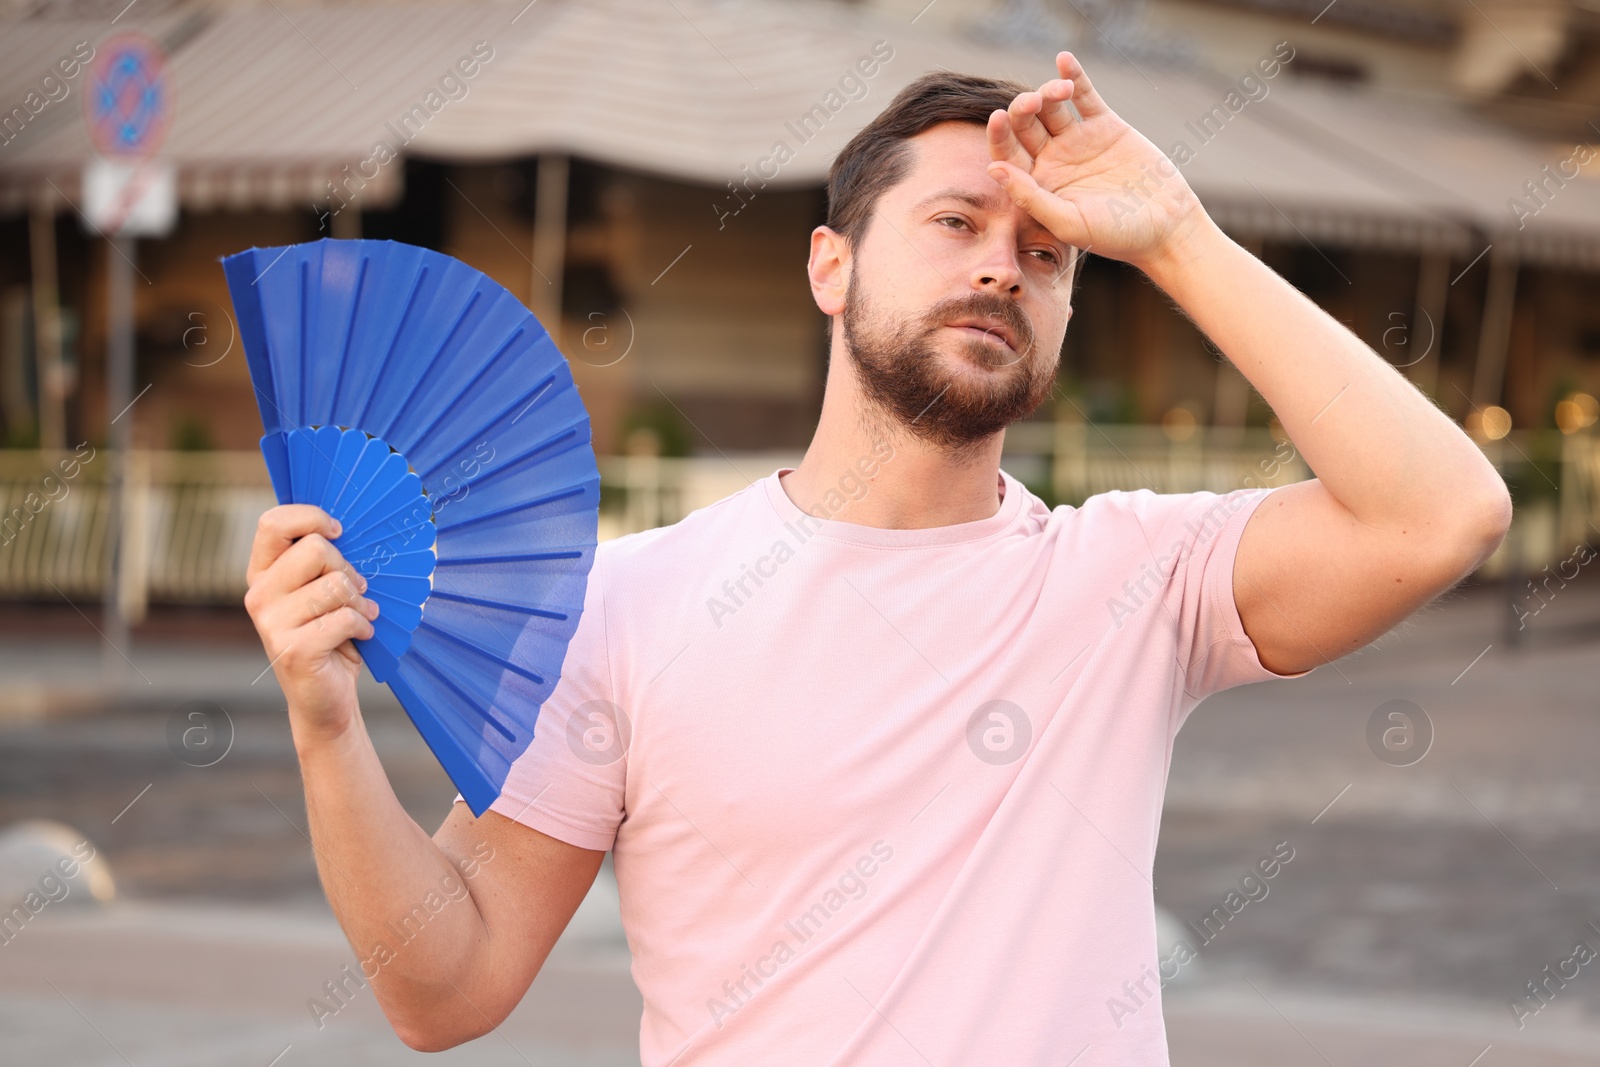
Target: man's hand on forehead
[{"x": 1089, "y": 178}]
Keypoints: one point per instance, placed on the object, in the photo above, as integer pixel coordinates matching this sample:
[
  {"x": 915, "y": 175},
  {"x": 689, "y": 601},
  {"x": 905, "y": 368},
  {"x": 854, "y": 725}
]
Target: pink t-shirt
[{"x": 890, "y": 796}]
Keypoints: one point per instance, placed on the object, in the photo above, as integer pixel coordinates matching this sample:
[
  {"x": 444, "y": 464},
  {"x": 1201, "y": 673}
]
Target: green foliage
[
  {"x": 660, "y": 416},
  {"x": 190, "y": 434}
]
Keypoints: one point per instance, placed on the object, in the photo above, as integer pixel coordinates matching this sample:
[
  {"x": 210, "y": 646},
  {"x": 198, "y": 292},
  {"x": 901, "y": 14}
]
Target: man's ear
[{"x": 829, "y": 269}]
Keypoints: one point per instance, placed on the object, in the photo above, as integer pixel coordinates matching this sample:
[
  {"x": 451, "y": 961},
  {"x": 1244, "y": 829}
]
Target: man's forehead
[
  {"x": 956, "y": 152},
  {"x": 951, "y": 161},
  {"x": 982, "y": 199}
]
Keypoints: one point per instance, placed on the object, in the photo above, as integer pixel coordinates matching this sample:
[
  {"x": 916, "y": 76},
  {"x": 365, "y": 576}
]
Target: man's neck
[{"x": 876, "y": 475}]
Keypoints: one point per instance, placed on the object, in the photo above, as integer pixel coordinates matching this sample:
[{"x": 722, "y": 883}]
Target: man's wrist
[
  {"x": 1191, "y": 242},
  {"x": 324, "y": 741}
]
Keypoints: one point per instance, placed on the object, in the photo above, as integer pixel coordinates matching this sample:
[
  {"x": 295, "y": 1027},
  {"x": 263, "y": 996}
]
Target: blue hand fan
[{"x": 420, "y": 404}]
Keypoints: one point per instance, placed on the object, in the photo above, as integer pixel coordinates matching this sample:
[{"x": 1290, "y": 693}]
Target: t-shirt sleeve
[
  {"x": 569, "y": 782},
  {"x": 1197, "y": 535}
]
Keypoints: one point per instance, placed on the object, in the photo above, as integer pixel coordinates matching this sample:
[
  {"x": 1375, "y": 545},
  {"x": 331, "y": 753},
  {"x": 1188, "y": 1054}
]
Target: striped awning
[
  {"x": 273, "y": 106},
  {"x": 284, "y": 105}
]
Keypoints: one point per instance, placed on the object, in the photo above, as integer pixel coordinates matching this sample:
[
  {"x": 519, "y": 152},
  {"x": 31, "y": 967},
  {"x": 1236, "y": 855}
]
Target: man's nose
[{"x": 998, "y": 271}]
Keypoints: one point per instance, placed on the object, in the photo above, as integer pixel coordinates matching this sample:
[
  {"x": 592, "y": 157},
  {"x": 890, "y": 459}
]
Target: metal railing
[{"x": 191, "y": 516}]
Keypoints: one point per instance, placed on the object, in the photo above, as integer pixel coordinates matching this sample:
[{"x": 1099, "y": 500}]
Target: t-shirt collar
[{"x": 806, "y": 526}]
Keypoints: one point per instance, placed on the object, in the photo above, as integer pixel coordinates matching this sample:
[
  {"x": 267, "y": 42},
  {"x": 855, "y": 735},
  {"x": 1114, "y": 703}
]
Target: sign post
[{"x": 126, "y": 193}]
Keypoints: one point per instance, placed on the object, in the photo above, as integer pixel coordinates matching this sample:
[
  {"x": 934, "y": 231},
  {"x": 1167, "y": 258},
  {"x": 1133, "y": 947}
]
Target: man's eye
[
  {"x": 957, "y": 219},
  {"x": 1046, "y": 255}
]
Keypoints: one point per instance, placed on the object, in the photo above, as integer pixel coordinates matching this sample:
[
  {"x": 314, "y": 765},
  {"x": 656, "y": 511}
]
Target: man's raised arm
[{"x": 1404, "y": 505}]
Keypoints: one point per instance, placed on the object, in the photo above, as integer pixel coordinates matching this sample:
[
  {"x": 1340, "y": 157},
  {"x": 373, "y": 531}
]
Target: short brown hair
[{"x": 876, "y": 159}]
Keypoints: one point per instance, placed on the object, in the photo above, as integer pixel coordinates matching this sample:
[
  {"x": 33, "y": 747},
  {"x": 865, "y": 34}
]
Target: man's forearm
[
  {"x": 1377, "y": 444},
  {"x": 385, "y": 879}
]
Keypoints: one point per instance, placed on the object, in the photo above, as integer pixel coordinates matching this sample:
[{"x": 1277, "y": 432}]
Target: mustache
[{"x": 984, "y": 305}]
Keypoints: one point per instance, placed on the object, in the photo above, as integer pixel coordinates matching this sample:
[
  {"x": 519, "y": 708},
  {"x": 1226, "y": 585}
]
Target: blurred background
[{"x": 645, "y": 175}]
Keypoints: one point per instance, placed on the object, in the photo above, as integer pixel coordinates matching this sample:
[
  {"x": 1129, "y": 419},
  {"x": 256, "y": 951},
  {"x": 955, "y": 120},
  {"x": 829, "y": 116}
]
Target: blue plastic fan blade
[{"x": 420, "y": 404}]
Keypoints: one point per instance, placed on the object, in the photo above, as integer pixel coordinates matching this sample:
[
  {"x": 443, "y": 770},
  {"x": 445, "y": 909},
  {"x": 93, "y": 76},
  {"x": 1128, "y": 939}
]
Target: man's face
[{"x": 958, "y": 299}]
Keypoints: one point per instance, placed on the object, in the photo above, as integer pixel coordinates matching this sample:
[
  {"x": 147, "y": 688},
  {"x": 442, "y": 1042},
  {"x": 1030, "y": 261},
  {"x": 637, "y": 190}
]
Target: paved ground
[{"x": 1419, "y": 900}]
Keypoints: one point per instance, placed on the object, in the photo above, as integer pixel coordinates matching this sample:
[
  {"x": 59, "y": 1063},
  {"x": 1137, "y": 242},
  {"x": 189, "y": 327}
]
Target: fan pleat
[
  {"x": 474, "y": 703},
  {"x": 351, "y": 446},
  {"x": 433, "y": 361},
  {"x": 349, "y": 334},
  {"x": 492, "y": 426},
  {"x": 325, "y": 442},
  {"x": 390, "y": 472},
  {"x": 363, "y": 419},
  {"x": 447, "y": 404},
  {"x": 476, "y": 651},
  {"x": 373, "y": 454},
  {"x": 485, "y": 602}
]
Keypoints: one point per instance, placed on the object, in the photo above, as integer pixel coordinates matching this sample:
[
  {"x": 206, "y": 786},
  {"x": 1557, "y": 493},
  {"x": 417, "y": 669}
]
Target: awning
[
  {"x": 273, "y": 105},
  {"x": 706, "y": 91}
]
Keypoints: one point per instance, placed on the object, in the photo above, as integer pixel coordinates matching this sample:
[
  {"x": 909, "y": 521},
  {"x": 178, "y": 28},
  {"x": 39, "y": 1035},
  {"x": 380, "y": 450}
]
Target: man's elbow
[
  {"x": 1485, "y": 518},
  {"x": 436, "y": 1036},
  {"x": 437, "y": 1029}
]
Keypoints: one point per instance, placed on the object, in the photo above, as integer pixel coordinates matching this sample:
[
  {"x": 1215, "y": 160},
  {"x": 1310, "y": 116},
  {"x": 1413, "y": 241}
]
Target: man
[{"x": 880, "y": 741}]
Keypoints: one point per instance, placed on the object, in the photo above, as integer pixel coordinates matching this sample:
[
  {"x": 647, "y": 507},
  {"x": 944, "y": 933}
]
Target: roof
[
  {"x": 271, "y": 103},
  {"x": 269, "y": 110}
]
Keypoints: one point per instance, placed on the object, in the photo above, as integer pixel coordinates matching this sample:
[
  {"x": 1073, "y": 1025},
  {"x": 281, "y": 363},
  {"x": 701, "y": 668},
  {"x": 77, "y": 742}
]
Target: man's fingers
[
  {"x": 303, "y": 562},
  {"x": 332, "y": 632},
  {"x": 1003, "y": 144},
  {"x": 328, "y": 593},
  {"x": 280, "y": 527},
  {"x": 1025, "y": 124},
  {"x": 1055, "y": 214},
  {"x": 1084, "y": 97},
  {"x": 1055, "y": 114}
]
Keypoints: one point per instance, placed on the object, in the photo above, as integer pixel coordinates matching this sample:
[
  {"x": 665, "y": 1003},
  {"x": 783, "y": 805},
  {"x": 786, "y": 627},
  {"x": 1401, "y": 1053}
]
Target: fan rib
[
  {"x": 438, "y": 354},
  {"x": 305, "y": 339},
  {"x": 399, "y": 330},
  {"x": 548, "y": 442},
  {"x": 530, "y": 557},
  {"x": 507, "y": 664},
  {"x": 349, "y": 333},
  {"x": 460, "y": 598},
  {"x": 363, "y": 524},
  {"x": 448, "y": 407},
  {"x": 458, "y": 691},
  {"x": 456, "y": 450},
  {"x": 576, "y": 490}
]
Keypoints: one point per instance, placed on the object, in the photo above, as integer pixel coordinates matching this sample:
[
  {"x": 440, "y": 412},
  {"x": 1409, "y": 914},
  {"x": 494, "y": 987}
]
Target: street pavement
[{"x": 1422, "y": 895}]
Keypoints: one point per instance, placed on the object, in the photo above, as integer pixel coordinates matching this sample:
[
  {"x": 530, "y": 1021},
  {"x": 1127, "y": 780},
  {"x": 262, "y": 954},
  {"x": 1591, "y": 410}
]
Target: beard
[{"x": 903, "y": 373}]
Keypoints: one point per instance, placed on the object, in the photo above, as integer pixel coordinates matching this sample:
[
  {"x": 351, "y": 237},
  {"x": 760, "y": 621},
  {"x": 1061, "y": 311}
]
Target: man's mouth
[{"x": 992, "y": 331}]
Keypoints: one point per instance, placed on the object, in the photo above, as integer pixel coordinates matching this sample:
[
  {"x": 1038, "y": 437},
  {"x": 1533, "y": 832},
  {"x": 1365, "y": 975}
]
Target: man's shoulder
[{"x": 1153, "y": 519}]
